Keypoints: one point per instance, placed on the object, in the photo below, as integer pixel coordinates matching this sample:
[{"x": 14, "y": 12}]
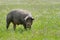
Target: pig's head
[{"x": 29, "y": 21}]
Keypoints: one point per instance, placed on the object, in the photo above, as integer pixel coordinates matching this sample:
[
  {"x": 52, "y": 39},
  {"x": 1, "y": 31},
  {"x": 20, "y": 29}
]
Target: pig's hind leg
[{"x": 7, "y": 24}]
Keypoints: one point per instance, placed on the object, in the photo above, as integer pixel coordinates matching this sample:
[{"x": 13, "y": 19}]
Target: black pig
[{"x": 17, "y": 17}]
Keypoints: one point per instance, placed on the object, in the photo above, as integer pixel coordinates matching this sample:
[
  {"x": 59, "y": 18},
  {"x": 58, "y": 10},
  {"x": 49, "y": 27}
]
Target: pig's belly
[{"x": 16, "y": 22}]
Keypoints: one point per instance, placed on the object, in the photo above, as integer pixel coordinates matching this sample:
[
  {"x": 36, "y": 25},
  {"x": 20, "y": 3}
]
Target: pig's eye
[{"x": 29, "y": 20}]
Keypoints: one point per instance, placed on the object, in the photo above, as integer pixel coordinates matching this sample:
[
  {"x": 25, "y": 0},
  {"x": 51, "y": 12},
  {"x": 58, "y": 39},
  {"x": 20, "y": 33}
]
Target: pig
[{"x": 19, "y": 17}]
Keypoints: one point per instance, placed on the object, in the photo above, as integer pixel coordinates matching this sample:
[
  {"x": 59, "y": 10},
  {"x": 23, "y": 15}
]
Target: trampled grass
[{"x": 46, "y": 25}]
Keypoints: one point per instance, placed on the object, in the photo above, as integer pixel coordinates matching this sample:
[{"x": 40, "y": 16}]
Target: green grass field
[{"x": 46, "y": 25}]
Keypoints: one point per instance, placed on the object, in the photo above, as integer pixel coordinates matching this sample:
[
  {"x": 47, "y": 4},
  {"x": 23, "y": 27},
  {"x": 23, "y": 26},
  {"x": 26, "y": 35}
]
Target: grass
[{"x": 46, "y": 25}]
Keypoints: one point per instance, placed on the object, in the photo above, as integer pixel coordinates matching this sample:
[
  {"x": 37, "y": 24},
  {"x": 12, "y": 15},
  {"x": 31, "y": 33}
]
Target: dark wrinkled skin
[{"x": 17, "y": 17}]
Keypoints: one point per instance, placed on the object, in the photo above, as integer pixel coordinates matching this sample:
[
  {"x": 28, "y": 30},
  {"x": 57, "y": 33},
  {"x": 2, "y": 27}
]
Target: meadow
[{"x": 46, "y": 25}]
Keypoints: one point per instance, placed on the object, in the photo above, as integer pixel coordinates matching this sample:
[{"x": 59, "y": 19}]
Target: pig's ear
[
  {"x": 32, "y": 18},
  {"x": 26, "y": 18}
]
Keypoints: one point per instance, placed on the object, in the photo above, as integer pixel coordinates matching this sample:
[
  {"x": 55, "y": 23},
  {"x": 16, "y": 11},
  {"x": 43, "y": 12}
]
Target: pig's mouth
[{"x": 28, "y": 27}]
